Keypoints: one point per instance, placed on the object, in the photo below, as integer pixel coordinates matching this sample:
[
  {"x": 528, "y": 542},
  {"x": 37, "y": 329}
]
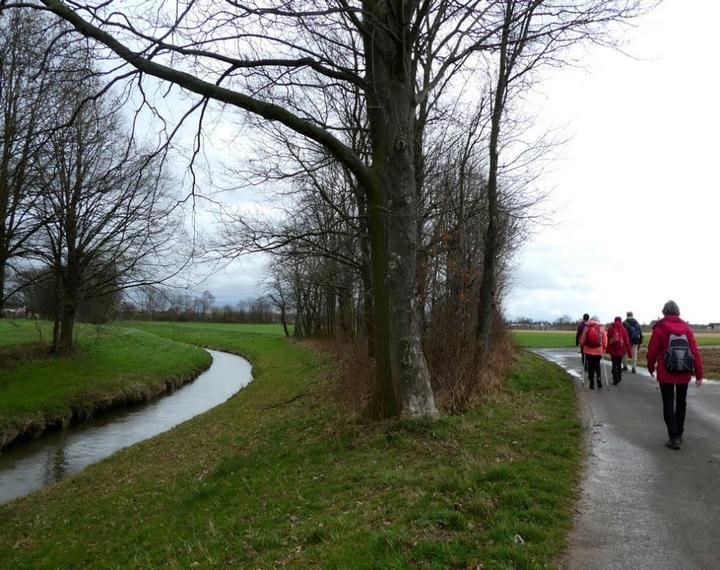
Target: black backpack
[{"x": 678, "y": 358}]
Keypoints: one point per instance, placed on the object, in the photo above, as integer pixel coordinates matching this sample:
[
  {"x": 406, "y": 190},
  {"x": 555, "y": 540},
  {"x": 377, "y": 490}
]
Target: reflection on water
[
  {"x": 27, "y": 467},
  {"x": 56, "y": 465}
]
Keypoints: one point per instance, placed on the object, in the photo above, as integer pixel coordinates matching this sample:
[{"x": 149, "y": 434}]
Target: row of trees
[
  {"x": 84, "y": 209},
  {"x": 399, "y": 123},
  {"x": 159, "y": 303}
]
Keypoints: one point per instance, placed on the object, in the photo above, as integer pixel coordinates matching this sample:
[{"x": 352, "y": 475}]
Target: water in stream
[{"x": 29, "y": 466}]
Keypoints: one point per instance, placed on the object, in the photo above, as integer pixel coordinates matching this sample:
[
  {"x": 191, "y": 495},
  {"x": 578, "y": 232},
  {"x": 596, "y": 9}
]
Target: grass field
[
  {"x": 558, "y": 339},
  {"x": 543, "y": 339},
  {"x": 18, "y": 332},
  {"x": 211, "y": 328},
  {"x": 278, "y": 476},
  {"x": 113, "y": 366}
]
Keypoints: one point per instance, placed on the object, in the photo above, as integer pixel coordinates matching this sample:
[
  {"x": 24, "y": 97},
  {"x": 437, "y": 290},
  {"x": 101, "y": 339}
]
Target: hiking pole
[{"x": 602, "y": 358}]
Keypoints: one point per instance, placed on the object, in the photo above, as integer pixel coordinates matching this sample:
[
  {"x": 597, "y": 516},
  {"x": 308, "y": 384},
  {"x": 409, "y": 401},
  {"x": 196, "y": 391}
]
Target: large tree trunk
[
  {"x": 69, "y": 296},
  {"x": 366, "y": 275},
  {"x": 403, "y": 380},
  {"x": 491, "y": 252},
  {"x": 2, "y": 280},
  {"x": 67, "y": 329}
]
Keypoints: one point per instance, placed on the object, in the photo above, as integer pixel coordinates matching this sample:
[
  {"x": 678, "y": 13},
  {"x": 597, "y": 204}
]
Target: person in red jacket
[
  {"x": 674, "y": 354},
  {"x": 593, "y": 343},
  {"x": 618, "y": 346}
]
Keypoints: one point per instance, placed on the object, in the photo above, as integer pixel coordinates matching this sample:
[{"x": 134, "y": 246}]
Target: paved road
[{"x": 643, "y": 505}]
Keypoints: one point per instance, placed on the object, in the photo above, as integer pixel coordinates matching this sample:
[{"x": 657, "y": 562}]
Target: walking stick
[{"x": 605, "y": 372}]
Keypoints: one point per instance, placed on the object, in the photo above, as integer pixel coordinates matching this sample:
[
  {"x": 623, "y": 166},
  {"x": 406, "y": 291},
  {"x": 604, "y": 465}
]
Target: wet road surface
[{"x": 643, "y": 505}]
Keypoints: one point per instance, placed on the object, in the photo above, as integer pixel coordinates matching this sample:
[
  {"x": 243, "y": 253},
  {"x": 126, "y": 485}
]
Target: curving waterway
[{"x": 26, "y": 467}]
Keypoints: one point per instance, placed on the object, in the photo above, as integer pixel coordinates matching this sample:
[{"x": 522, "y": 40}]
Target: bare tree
[
  {"x": 275, "y": 62},
  {"x": 280, "y": 293},
  {"x": 108, "y": 222},
  {"x": 27, "y": 66}
]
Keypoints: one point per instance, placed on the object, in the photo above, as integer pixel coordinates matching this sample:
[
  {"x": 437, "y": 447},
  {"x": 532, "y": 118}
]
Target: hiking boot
[
  {"x": 592, "y": 386},
  {"x": 633, "y": 370},
  {"x": 599, "y": 385},
  {"x": 673, "y": 443},
  {"x": 624, "y": 367}
]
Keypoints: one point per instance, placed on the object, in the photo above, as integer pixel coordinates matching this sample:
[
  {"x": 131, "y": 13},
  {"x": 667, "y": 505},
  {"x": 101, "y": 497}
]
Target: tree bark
[
  {"x": 403, "y": 380},
  {"x": 366, "y": 274},
  {"x": 2, "y": 280},
  {"x": 283, "y": 318},
  {"x": 487, "y": 294},
  {"x": 67, "y": 329}
]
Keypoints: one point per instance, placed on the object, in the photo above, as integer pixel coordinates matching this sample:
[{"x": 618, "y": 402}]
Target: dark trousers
[
  {"x": 616, "y": 368},
  {"x": 593, "y": 368},
  {"x": 674, "y": 397}
]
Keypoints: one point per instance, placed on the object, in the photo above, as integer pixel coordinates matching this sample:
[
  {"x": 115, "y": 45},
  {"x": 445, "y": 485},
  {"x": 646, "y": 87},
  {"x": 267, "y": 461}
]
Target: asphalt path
[{"x": 643, "y": 505}]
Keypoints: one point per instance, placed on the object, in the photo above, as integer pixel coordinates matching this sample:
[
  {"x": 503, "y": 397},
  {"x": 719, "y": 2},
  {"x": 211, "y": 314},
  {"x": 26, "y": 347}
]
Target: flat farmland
[
  {"x": 543, "y": 339},
  {"x": 708, "y": 338},
  {"x": 711, "y": 361},
  {"x": 710, "y": 356},
  {"x": 557, "y": 339},
  {"x": 709, "y": 343}
]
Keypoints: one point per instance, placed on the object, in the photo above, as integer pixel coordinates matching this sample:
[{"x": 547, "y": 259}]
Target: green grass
[
  {"x": 561, "y": 339},
  {"x": 261, "y": 483},
  {"x": 705, "y": 339},
  {"x": 113, "y": 364},
  {"x": 210, "y": 328},
  {"x": 544, "y": 339},
  {"x": 14, "y": 332}
]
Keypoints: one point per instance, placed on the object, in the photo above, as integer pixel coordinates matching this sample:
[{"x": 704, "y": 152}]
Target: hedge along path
[
  {"x": 278, "y": 476},
  {"x": 114, "y": 367}
]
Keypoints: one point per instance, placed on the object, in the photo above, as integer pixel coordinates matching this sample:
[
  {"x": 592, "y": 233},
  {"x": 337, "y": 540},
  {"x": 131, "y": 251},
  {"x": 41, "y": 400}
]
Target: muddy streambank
[{"x": 89, "y": 405}]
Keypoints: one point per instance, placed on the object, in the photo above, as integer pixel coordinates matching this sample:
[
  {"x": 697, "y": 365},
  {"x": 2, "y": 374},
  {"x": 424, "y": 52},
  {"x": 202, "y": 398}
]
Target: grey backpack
[{"x": 678, "y": 358}]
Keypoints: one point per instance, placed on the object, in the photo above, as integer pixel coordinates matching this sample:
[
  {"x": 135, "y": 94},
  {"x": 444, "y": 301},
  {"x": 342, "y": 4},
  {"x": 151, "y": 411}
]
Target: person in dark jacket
[
  {"x": 634, "y": 331},
  {"x": 580, "y": 329},
  {"x": 673, "y": 384},
  {"x": 619, "y": 345}
]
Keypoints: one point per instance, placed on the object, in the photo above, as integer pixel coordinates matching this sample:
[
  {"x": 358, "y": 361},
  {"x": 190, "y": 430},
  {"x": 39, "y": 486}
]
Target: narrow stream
[{"x": 30, "y": 466}]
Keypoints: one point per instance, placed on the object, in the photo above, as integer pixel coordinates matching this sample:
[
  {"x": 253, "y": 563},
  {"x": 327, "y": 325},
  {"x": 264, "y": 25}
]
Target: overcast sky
[{"x": 634, "y": 189}]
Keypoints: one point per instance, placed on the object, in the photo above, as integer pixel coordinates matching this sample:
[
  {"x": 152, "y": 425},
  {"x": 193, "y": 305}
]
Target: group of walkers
[
  {"x": 672, "y": 356},
  {"x": 621, "y": 339}
]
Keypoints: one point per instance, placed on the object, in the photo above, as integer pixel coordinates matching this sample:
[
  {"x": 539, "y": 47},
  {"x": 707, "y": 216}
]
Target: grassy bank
[
  {"x": 277, "y": 476},
  {"x": 114, "y": 366}
]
